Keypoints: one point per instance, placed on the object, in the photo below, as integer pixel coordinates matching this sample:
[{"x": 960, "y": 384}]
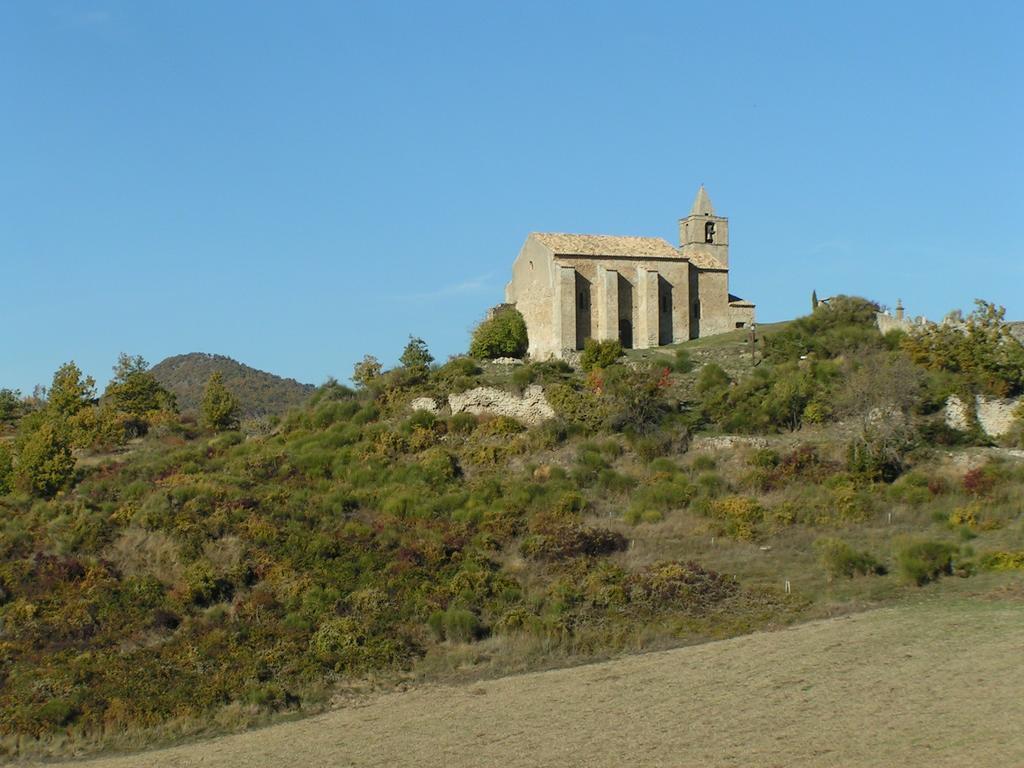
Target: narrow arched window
[{"x": 709, "y": 232}]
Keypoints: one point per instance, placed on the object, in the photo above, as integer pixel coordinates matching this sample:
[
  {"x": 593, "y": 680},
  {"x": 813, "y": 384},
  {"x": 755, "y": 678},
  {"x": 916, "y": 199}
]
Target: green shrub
[
  {"x": 502, "y": 335},
  {"x": 460, "y": 625},
  {"x": 501, "y": 426},
  {"x": 650, "y": 502},
  {"x": 610, "y": 481},
  {"x": 343, "y": 643},
  {"x": 220, "y": 407},
  {"x": 45, "y": 464},
  {"x": 439, "y": 466},
  {"x": 1003, "y": 561},
  {"x": 636, "y": 398},
  {"x": 651, "y": 447},
  {"x": 765, "y": 458},
  {"x": 599, "y": 354},
  {"x": 839, "y": 559},
  {"x": 711, "y": 484},
  {"x": 6, "y": 469},
  {"x": 580, "y": 407},
  {"x": 683, "y": 363},
  {"x": 551, "y": 371},
  {"x": 564, "y": 541},
  {"x": 679, "y": 586},
  {"x": 57, "y": 713},
  {"x": 462, "y": 423},
  {"x": 522, "y": 377},
  {"x": 457, "y": 375},
  {"x": 703, "y": 463},
  {"x": 912, "y": 488},
  {"x": 738, "y": 515},
  {"x": 712, "y": 377},
  {"x": 436, "y": 624},
  {"x": 982, "y": 353},
  {"x": 925, "y": 561},
  {"x": 843, "y": 325}
]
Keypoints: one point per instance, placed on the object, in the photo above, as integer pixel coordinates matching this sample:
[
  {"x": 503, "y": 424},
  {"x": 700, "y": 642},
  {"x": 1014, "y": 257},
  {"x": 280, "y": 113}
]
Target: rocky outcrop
[
  {"x": 995, "y": 415},
  {"x": 530, "y": 408},
  {"x": 424, "y": 404}
]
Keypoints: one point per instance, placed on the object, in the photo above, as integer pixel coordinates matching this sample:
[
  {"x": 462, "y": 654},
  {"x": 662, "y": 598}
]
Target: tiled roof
[
  {"x": 704, "y": 261},
  {"x": 606, "y": 245},
  {"x": 736, "y": 301}
]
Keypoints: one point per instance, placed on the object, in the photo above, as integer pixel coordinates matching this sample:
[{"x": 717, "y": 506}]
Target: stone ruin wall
[
  {"x": 996, "y": 416},
  {"x": 530, "y": 408}
]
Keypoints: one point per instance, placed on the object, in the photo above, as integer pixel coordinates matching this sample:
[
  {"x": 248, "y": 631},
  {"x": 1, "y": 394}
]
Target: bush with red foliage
[{"x": 977, "y": 482}]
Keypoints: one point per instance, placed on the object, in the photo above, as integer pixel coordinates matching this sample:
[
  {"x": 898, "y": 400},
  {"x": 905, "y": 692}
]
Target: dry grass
[{"x": 934, "y": 683}]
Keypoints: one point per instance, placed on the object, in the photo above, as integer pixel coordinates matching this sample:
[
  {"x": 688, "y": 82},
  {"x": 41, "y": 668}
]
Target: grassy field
[{"x": 932, "y": 682}]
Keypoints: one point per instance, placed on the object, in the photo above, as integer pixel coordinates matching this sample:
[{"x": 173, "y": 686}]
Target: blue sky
[{"x": 297, "y": 184}]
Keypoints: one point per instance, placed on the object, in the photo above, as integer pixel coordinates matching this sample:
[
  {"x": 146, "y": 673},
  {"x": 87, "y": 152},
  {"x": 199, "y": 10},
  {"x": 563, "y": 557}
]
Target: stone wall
[
  {"x": 887, "y": 322},
  {"x": 995, "y": 416},
  {"x": 532, "y": 291}
]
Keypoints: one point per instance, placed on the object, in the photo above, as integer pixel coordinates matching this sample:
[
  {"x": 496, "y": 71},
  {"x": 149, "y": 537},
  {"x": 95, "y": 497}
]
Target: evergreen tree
[
  {"x": 11, "y": 407},
  {"x": 220, "y": 408},
  {"x": 814, "y": 300},
  {"x": 45, "y": 463},
  {"x": 416, "y": 355},
  {"x": 366, "y": 370},
  {"x": 501, "y": 335},
  {"x": 135, "y": 391},
  {"x": 6, "y": 469},
  {"x": 70, "y": 391}
]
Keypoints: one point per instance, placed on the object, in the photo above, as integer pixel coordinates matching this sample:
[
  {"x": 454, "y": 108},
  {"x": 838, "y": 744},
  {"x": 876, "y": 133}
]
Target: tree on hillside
[
  {"x": 366, "y": 370},
  {"x": 135, "y": 391},
  {"x": 11, "y": 407},
  {"x": 982, "y": 352},
  {"x": 70, "y": 391},
  {"x": 6, "y": 469},
  {"x": 220, "y": 408},
  {"x": 503, "y": 334},
  {"x": 844, "y": 325},
  {"x": 45, "y": 463},
  {"x": 416, "y": 356}
]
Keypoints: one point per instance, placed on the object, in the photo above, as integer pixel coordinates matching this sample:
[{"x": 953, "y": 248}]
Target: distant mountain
[{"x": 259, "y": 393}]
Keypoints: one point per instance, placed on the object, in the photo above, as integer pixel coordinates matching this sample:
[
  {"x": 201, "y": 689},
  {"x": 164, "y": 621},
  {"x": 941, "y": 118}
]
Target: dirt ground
[{"x": 936, "y": 684}]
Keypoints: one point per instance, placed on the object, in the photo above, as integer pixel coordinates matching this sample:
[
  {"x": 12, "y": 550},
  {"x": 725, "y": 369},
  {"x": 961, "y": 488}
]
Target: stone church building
[{"x": 640, "y": 290}]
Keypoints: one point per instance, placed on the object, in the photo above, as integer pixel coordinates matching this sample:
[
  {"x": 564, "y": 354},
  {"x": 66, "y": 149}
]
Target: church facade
[{"x": 642, "y": 291}]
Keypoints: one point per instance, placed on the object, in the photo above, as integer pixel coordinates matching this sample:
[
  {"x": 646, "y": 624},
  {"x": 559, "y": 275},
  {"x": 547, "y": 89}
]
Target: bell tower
[{"x": 703, "y": 234}]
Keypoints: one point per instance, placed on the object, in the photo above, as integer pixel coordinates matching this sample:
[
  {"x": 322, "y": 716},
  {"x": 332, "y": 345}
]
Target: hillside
[
  {"x": 259, "y": 393},
  {"x": 204, "y": 581},
  {"x": 933, "y": 684}
]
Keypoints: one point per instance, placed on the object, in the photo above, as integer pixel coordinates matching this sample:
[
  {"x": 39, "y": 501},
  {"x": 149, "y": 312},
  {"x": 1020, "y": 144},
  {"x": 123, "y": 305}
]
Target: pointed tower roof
[{"x": 702, "y": 204}]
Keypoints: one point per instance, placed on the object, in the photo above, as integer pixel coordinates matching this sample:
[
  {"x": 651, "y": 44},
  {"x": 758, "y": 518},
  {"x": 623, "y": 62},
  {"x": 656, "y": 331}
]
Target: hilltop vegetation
[
  {"x": 259, "y": 393},
  {"x": 216, "y": 573}
]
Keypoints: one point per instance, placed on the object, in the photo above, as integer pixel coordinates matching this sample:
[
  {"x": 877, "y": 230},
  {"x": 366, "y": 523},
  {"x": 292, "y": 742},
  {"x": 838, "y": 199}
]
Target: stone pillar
[
  {"x": 647, "y": 308},
  {"x": 681, "y": 308},
  {"x": 607, "y": 304},
  {"x": 899, "y": 310},
  {"x": 565, "y": 308}
]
